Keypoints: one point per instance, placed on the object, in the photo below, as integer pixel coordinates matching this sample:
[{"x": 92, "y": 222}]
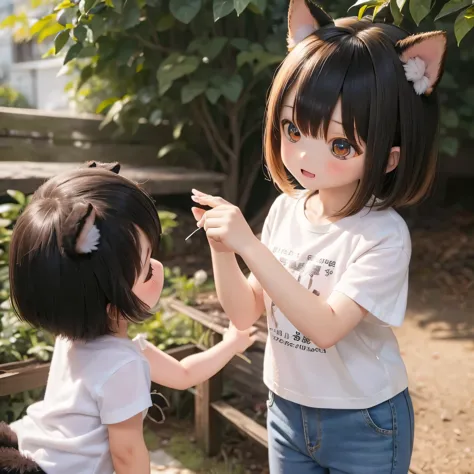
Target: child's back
[{"x": 85, "y": 393}]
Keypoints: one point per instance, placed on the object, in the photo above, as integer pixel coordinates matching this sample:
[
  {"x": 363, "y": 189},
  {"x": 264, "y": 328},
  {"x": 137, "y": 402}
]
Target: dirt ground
[{"x": 437, "y": 341}]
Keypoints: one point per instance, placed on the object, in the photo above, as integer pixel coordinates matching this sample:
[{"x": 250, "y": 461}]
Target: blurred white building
[{"x": 21, "y": 65}]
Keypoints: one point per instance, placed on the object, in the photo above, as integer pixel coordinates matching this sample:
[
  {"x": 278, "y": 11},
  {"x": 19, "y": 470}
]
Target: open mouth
[{"x": 307, "y": 174}]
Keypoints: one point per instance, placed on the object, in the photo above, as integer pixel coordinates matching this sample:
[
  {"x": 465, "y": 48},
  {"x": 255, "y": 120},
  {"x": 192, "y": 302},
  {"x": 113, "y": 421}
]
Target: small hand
[
  {"x": 224, "y": 223},
  {"x": 198, "y": 214},
  {"x": 241, "y": 340}
]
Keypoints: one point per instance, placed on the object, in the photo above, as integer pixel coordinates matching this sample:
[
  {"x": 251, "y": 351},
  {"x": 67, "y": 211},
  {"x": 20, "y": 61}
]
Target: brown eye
[
  {"x": 291, "y": 131},
  {"x": 341, "y": 148}
]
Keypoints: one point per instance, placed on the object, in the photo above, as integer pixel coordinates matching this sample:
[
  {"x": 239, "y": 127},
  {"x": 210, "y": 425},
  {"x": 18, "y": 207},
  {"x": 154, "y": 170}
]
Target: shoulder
[
  {"x": 284, "y": 203},
  {"x": 385, "y": 229},
  {"x": 105, "y": 356}
]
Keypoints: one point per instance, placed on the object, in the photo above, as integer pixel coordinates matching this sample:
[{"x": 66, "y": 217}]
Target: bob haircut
[
  {"x": 69, "y": 295},
  {"x": 356, "y": 61}
]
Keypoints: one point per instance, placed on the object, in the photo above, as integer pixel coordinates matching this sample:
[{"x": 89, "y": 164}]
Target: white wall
[{"x": 39, "y": 83}]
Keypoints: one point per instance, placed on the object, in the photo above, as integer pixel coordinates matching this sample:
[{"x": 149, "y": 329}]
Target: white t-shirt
[
  {"x": 90, "y": 385},
  {"x": 365, "y": 257}
]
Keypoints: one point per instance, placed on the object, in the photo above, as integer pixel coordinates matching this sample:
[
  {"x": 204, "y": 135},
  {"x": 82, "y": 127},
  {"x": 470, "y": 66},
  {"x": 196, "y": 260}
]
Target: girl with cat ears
[
  {"x": 351, "y": 132},
  {"x": 81, "y": 267}
]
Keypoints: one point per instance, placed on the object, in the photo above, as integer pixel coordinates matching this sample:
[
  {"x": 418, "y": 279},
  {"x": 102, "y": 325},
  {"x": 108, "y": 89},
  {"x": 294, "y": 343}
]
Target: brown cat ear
[
  {"x": 304, "y": 18},
  {"x": 430, "y": 48}
]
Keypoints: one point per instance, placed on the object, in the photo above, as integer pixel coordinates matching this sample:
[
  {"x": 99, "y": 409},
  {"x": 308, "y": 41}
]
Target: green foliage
[
  {"x": 9, "y": 97},
  {"x": 421, "y": 9}
]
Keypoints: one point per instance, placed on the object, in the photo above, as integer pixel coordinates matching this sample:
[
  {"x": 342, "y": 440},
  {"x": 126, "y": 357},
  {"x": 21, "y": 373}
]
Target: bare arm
[
  {"x": 241, "y": 298},
  {"x": 322, "y": 323},
  {"x": 197, "y": 368},
  {"x": 127, "y": 447}
]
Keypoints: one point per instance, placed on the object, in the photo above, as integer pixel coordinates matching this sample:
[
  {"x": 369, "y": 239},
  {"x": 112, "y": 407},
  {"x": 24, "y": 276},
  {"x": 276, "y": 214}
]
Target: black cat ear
[
  {"x": 304, "y": 18},
  {"x": 116, "y": 168}
]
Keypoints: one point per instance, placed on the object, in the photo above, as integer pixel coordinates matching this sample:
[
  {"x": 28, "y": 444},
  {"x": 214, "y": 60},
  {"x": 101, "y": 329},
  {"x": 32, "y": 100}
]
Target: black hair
[
  {"x": 71, "y": 294},
  {"x": 357, "y": 61}
]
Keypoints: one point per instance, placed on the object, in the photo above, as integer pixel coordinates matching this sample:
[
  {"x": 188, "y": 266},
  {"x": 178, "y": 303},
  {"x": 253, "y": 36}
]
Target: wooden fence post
[{"x": 207, "y": 422}]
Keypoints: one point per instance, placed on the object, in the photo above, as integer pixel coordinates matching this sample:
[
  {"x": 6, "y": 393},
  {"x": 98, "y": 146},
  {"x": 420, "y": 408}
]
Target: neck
[
  {"x": 122, "y": 328},
  {"x": 328, "y": 202}
]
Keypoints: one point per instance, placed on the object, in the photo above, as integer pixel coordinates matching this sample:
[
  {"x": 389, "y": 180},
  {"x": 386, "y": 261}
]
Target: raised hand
[{"x": 224, "y": 223}]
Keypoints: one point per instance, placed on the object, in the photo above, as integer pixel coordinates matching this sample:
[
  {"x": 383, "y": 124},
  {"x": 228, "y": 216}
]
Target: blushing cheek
[
  {"x": 335, "y": 167},
  {"x": 149, "y": 292}
]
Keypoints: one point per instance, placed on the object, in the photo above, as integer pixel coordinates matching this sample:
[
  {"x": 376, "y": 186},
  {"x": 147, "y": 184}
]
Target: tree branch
[
  {"x": 210, "y": 137},
  {"x": 214, "y": 130},
  {"x": 155, "y": 46},
  {"x": 249, "y": 182},
  {"x": 250, "y": 131}
]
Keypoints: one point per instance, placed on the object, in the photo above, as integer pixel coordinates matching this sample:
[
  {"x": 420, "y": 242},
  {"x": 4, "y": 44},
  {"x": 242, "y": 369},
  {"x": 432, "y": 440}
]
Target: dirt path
[{"x": 438, "y": 349}]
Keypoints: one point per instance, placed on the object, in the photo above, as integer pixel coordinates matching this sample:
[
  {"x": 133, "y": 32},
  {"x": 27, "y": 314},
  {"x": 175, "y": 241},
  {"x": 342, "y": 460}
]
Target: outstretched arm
[{"x": 197, "y": 368}]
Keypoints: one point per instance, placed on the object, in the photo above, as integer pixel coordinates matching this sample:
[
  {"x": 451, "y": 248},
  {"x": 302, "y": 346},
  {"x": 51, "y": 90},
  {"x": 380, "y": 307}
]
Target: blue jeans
[{"x": 304, "y": 440}]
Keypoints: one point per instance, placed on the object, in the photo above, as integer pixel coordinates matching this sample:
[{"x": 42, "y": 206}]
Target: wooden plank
[
  {"x": 23, "y": 378},
  {"x": 20, "y": 376},
  {"x": 218, "y": 324},
  {"x": 242, "y": 422},
  {"x": 28, "y": 176},
  {"x": 30, "y": 149},
  {"x": 76, "y": 126},
  {"x": 207, "y": 423}
]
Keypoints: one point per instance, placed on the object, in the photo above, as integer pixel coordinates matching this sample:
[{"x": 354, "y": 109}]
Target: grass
[{"x": 181, "y": 448}]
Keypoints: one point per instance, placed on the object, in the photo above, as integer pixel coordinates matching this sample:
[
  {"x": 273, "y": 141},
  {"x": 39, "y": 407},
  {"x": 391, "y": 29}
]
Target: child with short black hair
[{"x": 81, "y": 267}]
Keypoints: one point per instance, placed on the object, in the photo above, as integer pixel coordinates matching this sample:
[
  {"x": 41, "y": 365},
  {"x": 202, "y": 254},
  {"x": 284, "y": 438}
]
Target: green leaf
[
  {"x": 242, "y": 44},
  {"x": 222, "y": 8},
  {"x": 63, "y": 5},
  {"x": 208, "y": 48},
  {"x": 173, "y": 67},
  {"x": 106, "y": 103},
  {"x": 185, "y": 10},
  {"x": 177, "y": 130},
  {"x": 233, "y": 87},
  {"x": 156, "y": 117},
  {"x": 240, "y": 6},
  {"x": 366, "y": 3},
  {"x": 86, "y": 74},
  {"x": 118, "y": 5},
  {"x": 73, "y": 52},
  {"x": 60, "y": 41},
  {"x": 165, "y": 23},
  {"x": 449, "y": 118},
  {"x": 396, "y": 12},
  {"x": 97, "y": 27},
  {"x": 260, "y": 6},
  {"x": 41, "y": 24},
  {"x": 18, "y": 196},
  {"x": 449, "y": 146},
  {"x": 419, "y": 9},
  {"x": 66, "y": 17},
  {"x": 51, "y": 30},
  {"x": 171, "y": 147},
  {"x": 86, "y": 5},
  {"x": 192, "y": 90},
  {"x": 80, "y": 33},
  {"x": 401, "y": 4},
  {"x": 453, "y": 6},
  {"x": 131, "y": 14},
  {"x": 213, "y": 95},
  {"x": 462, "y": 25}
]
